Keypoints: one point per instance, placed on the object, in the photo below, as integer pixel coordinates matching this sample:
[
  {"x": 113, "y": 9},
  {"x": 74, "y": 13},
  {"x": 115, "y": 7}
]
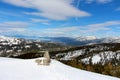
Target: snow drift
[{"x": 18, "y": 69}]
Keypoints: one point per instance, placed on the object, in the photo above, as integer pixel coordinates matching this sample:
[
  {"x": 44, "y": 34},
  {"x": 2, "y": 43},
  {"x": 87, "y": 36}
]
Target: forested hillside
[{"x": 100, "y": 58}]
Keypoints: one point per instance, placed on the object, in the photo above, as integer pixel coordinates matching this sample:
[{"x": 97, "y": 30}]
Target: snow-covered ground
[
  {"x": 71, "y": 55},
  {"x": 102, "y": 57},
  {"x": 18, "y": 69}
]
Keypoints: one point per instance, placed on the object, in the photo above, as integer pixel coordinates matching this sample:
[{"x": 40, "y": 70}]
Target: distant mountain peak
[{"x": 86, "y": 38}]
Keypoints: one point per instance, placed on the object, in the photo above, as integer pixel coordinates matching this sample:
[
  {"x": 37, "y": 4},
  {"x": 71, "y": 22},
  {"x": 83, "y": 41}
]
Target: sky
[{"x": 60, "y": 18}]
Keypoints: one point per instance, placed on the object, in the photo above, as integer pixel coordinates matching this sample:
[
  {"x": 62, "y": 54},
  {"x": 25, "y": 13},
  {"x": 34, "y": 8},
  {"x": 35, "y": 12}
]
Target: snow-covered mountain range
[
  {"x": 103, "y": 40},
  {"x": 16, "y": 46},
  {"x": 18, "y": 69},
  {"x": 9, "y": 40},
  {"x": 88, "y": 40},
  {"x": 10, "y": 45}
]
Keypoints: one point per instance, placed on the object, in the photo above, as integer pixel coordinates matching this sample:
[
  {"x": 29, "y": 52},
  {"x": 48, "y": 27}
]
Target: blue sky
[{"x": 60, "y": 18}]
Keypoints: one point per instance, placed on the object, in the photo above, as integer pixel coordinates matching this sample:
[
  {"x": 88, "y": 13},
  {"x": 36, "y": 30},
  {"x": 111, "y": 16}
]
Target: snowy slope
[{"x": 18, "y": 69}]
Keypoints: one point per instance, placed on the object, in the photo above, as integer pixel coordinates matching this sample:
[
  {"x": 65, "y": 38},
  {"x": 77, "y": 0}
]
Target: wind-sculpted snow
[{"x": 18, "y": 69}]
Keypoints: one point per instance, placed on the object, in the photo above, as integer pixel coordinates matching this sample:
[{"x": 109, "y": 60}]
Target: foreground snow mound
[{"x": 18, "y": 69}]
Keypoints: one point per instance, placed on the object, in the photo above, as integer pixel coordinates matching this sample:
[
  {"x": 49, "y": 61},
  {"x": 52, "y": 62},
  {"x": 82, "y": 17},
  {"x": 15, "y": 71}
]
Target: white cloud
[
  {"x": 118, "y": 9},
  {"x": 72, "y": 31},
  {"x": 105, "y": 24},
  {"x": 99, "y": 1},
  {"x": 52, "y": 9},
  {"x": 62, "y": 30},
  {"x": 104, "y": 1},
  {"x": 51, "y": 32},
  {"x": 17, "y": 26},
  {"x": 14, "y": 24},
  {"x": 89, "y": 1},
  {"x": 58, "y": 32},
  {"x": 43, "y": 21},
  {"x": 39, "y": 20},
  {"x": 99, "y": 26}
]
